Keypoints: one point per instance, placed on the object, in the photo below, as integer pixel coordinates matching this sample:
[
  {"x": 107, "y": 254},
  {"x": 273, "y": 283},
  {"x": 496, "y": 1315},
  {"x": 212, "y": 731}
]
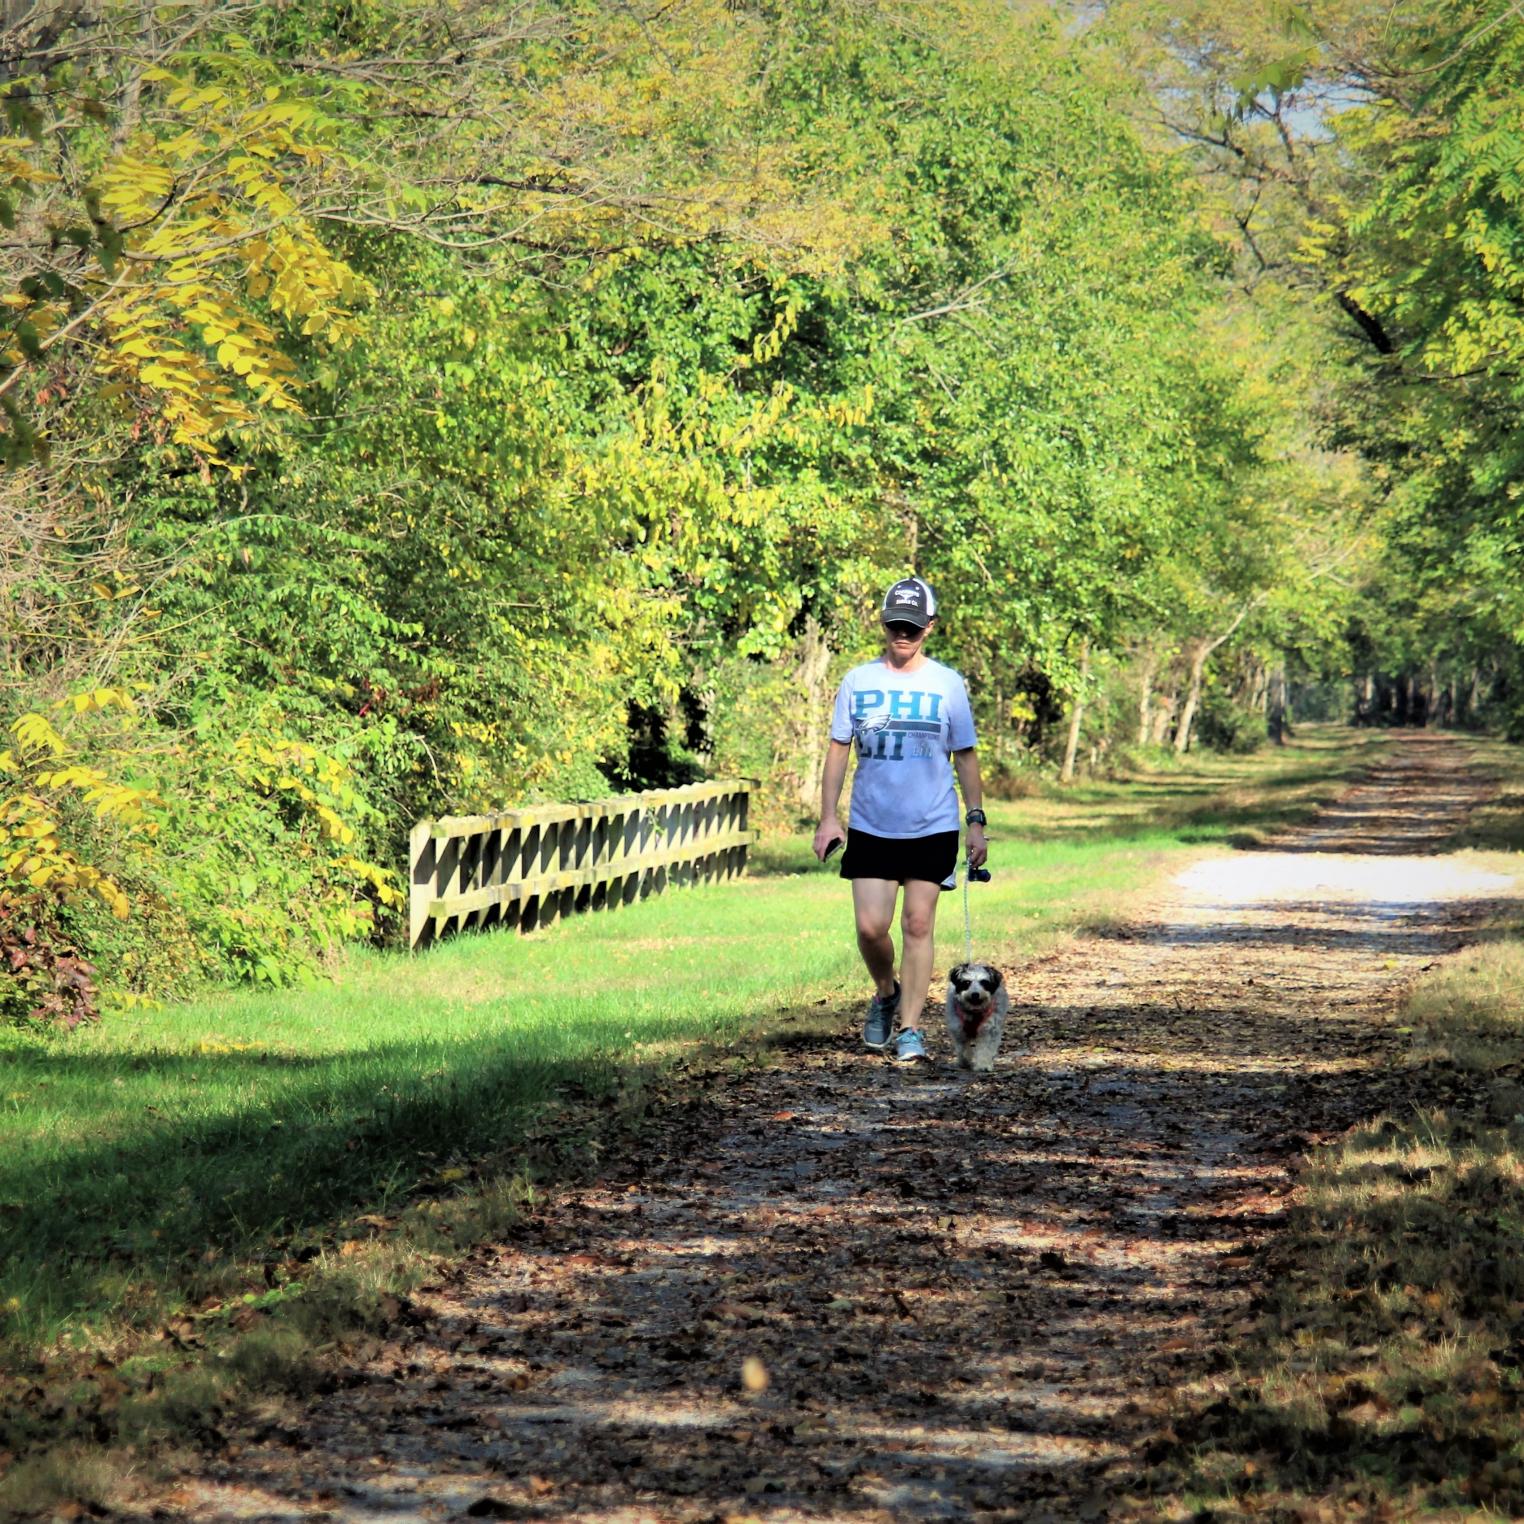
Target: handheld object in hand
[
  {"x": 978, "y": 875},
  {"x": 834, "y": 847}
]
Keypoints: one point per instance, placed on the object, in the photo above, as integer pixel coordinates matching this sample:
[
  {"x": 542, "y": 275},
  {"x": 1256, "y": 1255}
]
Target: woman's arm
[
  {"x": 832, "y": 778},
  {"x": 966, "y": 765}
]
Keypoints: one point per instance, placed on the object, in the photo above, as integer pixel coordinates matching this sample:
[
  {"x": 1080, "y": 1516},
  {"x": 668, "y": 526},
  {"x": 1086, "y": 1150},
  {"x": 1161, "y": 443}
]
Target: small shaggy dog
[{"x": 977, "y": 1003}]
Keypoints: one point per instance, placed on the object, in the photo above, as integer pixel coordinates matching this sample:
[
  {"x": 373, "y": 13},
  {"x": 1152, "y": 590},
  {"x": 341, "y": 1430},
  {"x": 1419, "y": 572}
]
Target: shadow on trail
[
  {"x": 963, "y": 1290},
  {"x": 958, "y": 1298}
]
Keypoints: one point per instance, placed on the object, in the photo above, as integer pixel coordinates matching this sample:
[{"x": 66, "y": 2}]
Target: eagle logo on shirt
[{"x": 870, "y": 724}]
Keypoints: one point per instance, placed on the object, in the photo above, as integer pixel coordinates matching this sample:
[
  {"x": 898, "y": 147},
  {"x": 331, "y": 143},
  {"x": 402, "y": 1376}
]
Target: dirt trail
[{"x": 968, "y": 1293}]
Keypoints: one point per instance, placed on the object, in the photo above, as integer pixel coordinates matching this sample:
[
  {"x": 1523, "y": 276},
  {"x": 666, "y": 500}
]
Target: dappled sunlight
[{"x": 956, "y": 1290}]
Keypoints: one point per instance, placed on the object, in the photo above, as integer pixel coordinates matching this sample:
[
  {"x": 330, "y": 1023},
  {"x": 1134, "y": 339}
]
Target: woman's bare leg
[
  {"x": 873, "y": 900},
  {"x": 918, "y": 920}
]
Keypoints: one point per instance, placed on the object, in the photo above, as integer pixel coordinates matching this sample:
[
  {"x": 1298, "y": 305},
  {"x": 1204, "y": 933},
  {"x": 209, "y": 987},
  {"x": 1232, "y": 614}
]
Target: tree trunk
[
  {"x": 1145, "y": 696},
  {"x": 1250, "y": 693},
  {"x": 814, "y": 675},
  {"x": 1278, "y": 713},
  {"x": 1199, "y": 653},
  {"x": 1164, "y": 712},
  {"x": 1076, "y": 718}
]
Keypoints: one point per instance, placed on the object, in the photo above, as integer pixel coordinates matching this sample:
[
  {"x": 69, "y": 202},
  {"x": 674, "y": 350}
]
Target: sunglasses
[{"x": 902, "y": 631}]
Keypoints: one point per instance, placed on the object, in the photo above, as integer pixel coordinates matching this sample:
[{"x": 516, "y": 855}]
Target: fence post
[{"x": 420, "y": 881}]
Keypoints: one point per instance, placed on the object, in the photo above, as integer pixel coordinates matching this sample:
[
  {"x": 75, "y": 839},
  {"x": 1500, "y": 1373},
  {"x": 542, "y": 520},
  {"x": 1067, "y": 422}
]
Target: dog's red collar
[{"x": 971, "y": 1021}]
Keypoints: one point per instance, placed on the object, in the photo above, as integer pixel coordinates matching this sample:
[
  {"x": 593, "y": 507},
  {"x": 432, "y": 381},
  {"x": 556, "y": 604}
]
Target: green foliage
[
  {"x": 1231, "y": 727},
  {"x": 436, "y": 435}
]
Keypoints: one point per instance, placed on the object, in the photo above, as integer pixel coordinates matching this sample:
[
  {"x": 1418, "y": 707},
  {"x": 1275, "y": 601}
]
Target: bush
[
  {"x": 233, "y": 851},
  {"x": 1229, "y": 727}
]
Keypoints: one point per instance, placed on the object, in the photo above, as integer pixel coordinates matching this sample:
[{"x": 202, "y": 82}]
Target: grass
[
  {"x": 1384, "y": 1378},
  {"x": 201, "y": 1177}
]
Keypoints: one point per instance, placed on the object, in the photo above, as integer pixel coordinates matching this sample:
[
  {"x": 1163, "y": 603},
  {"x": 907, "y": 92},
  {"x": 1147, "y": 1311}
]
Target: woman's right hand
[{"x": 826, "y": 832}]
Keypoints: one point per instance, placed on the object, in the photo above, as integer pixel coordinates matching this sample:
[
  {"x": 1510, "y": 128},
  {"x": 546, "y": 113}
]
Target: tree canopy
[{"x": 416, "y": 407}]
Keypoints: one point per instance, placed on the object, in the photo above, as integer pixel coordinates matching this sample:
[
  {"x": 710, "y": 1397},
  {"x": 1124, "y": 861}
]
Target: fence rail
[{"x": 526, "y": 867}]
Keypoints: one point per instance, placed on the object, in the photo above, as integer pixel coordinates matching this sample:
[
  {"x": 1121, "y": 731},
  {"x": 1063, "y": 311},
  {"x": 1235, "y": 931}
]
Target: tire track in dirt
[{"x": 969, "y": 1294}]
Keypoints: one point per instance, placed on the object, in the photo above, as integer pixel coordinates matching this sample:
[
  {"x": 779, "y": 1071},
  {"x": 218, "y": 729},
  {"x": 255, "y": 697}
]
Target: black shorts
[{"x": 933, "y": 858}]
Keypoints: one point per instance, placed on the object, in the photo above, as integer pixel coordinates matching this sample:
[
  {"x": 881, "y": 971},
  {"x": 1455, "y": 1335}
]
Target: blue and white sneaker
[
  {"x": 909, "y": 1048},
  {"x": 882, "y": 1010}
]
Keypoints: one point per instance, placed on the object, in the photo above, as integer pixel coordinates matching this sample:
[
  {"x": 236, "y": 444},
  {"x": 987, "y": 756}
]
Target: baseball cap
[{"x": 911, "y": 601}]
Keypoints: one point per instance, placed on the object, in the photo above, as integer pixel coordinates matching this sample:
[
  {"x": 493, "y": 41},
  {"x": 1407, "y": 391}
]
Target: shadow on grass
[
  {"x": 1498, "y": 826},
  {"x": 312, "y": 1141},
  {"x": 1383, "y": 1379},
  {"x": 80, "y": 1225}
]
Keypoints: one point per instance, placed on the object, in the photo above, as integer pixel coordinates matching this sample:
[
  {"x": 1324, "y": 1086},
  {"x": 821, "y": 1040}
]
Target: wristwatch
[{"x": 975, "y": 817}]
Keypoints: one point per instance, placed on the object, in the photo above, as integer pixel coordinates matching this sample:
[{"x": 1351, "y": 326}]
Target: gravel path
[{"x": 968, "y": 1295}]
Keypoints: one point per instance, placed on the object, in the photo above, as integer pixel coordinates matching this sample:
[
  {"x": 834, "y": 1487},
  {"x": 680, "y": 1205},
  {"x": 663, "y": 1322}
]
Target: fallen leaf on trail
[{"x": 754, "y": 1375}]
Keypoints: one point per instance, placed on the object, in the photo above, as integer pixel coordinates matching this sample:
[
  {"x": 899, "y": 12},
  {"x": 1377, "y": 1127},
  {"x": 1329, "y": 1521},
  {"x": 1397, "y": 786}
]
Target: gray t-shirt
[{"x": 906, "y": 726}]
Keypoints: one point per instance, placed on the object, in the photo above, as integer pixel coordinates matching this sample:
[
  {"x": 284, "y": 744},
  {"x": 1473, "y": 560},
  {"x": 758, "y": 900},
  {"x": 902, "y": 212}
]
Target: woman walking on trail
[{"x": 907, "y": 715}]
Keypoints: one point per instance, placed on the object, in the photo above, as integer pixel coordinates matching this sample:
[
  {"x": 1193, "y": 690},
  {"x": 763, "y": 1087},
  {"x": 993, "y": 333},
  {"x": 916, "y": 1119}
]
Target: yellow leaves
[
  {"x": 321, "y": 783},
  {"x": 19, "y": 166},
  {"x": 36, "y": 733},
  {"x": 192, "y": 101},
  {"x": 33, "y": 858},
  {"x": 382, "y": 880},
  {"x": 97, "y": 699},
  {"x": 213, "y": 223},
  {"x": 111, "y": 800},
  {"x": 130, "y": 1000},
  {"x": 332, "y": 825},
  {"x": 116, "y": 902},
  {"x": 134, "y": 188}
]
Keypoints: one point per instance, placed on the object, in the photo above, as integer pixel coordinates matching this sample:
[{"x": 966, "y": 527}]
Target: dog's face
[{"x": 974, "y": 985}]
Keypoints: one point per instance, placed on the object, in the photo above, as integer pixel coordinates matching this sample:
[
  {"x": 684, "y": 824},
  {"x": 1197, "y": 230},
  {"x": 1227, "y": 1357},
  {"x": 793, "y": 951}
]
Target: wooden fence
[{"x": 526, "y": 867}]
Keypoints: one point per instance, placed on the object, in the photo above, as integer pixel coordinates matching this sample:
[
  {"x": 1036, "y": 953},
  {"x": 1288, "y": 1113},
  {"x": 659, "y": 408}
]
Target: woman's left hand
[{"x": 978, "y": 848}]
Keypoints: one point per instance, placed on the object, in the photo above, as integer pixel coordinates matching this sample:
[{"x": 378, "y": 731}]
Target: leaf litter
[{"x": 819, "y": 1287}]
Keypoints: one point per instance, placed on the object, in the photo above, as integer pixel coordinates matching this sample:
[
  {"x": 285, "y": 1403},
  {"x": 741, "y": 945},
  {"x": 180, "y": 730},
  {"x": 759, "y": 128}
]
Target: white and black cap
[{"x": 910, "y": 601}]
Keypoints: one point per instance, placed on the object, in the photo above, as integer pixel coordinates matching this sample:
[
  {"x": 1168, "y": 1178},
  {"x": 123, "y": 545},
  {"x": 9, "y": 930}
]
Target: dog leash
[{"x": 968, "y": 924}]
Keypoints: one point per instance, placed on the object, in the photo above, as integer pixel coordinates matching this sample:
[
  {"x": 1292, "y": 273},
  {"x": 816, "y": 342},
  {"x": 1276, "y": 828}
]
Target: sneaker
[
  {"x": 908, "y": 1047},
  {"x": 882, "y": 1009}
]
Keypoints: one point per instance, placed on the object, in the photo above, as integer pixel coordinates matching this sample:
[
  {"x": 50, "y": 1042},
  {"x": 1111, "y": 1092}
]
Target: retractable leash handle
[{"x": 971, "y": 875}]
